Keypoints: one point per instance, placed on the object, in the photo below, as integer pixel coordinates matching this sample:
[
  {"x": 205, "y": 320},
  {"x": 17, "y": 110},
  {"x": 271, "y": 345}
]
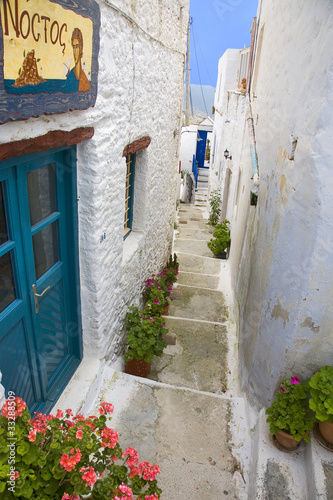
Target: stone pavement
[
  {"x": 178, "y": 418},
  {"x": 189, "y": 416}
]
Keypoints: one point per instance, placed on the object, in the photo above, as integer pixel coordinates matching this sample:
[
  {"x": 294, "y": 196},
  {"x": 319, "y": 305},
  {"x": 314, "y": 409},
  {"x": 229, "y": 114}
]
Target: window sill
[{"x": 132, "y": 244}]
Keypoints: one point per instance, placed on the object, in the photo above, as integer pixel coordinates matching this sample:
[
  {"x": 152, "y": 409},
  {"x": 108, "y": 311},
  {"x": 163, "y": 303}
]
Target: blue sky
[{"x": 218, "y": 25}]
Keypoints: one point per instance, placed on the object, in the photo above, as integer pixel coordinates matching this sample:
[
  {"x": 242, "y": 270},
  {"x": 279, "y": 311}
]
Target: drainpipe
[{"x": 254, "y": 158}]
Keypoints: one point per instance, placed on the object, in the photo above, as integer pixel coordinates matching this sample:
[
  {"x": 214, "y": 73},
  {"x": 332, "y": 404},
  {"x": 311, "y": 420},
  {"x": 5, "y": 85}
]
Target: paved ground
[{"x": 189, "y": 416}]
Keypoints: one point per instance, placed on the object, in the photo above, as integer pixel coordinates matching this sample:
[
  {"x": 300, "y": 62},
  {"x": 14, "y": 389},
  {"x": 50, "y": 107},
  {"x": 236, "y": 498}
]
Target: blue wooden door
[
  {"x": 201, "y": 147},
  {"x": 40, "y": 333}
]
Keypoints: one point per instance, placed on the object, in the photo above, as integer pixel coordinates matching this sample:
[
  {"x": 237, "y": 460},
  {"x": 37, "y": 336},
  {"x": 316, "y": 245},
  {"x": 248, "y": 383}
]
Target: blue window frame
[{"x": 129, "y": 194}]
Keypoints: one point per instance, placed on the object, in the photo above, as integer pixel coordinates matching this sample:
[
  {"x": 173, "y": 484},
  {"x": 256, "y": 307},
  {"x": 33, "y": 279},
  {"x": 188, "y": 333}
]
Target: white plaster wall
[
  {"x": 283, "y": 274},
  {"x": 140, "y": 89},
  {"x": 221, "y": 136},
  {"x": 227, "y": 76},
  {"x": 188, "y": 146}
]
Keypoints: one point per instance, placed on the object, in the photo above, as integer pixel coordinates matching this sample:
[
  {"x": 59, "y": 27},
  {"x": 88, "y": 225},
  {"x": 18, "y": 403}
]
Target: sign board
[{"x": 48, "y": 56}]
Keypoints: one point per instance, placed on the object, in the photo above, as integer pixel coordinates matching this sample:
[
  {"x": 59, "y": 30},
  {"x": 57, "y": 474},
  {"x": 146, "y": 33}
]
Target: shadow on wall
[{"x": 187, "y": 190}]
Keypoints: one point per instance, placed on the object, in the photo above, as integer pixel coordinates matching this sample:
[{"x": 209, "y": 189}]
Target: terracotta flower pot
[
  {"x": 137, "y": 367},
  {"x": 165, "y": 311},
  {"x": 285, "y": 442},
  {"x": 326, "y": 430},
  {"x": 323, "y": 432}
]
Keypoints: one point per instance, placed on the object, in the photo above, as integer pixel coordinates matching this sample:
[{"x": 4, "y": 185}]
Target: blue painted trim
[
  {"x": 195, "y": 170},
  {"x": 254, "y": 159},
  {"x": 6, "y": 247},
  {"x": 17, "y": 107},
  {"x": 45, "y": 222}
]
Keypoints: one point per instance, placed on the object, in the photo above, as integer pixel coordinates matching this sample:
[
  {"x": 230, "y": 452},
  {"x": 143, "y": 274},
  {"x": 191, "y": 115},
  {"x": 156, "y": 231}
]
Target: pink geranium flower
[
  {"x": 89, "y": 476},
  {"x": 32, "y": 435},
  {"x": 105, "y": 408},
  {"x": 294, "y": 380},
  {"x": 282, "y": 389}
]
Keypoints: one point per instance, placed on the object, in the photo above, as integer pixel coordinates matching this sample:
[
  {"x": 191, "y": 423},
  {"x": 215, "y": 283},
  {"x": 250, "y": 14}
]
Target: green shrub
[
  {"x": 321, "y": 390},
  {"x": 222, "y": 238},
  {"x": 144, "y": 335},
  {"x": 215, "y": 208}
]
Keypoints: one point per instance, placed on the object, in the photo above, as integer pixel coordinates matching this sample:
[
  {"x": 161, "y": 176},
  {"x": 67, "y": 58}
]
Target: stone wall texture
[
  {"x": 140, "y": 89},
  {"x": 281, "y": 251}
]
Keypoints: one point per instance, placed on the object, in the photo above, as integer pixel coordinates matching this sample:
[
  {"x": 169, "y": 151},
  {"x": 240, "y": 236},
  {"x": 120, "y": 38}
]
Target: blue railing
[{"x": 195, "y": 171}]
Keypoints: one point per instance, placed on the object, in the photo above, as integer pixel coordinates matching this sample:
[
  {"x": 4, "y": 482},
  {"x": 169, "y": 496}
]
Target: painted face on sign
[{"x": 76, "y": 50}]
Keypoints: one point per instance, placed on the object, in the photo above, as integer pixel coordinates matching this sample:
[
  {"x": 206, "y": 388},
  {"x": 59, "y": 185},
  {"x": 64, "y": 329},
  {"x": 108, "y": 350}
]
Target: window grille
[{"x": 129, "y": 192}]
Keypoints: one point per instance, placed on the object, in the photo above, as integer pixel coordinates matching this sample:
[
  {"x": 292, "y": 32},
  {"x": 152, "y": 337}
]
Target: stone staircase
[
  {"x": 201, "y": 192},
  {"x": 190, "y": 416}
]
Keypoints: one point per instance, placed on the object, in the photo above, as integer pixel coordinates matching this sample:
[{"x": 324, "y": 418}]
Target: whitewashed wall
[
  {"x": 188, "y": 146},
  {"x": 281, "y": 252},
  {"x": 140, "y": 89},
  {"x": 226, "y": 81}
]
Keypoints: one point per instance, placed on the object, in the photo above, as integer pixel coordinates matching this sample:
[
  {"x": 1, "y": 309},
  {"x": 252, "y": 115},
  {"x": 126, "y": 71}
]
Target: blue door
[
  {"x": 201, "y": 147},
  {"x": 40, "y": 332}
]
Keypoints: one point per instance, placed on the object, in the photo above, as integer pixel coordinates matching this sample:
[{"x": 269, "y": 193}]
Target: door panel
[
  {"x": 46, "y": 248},
  {"x": 201, "y": 148},
  {"x": 14, "y": 360}
]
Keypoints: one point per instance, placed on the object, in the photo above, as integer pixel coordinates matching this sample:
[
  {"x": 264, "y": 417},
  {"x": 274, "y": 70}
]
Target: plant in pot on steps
[
  {"x": 144, "y": 339},
  {"x": 321, "y": 402},
  {"x": 289, "y": 417},
  {"x": 221, "y": 241},
  {"x": 215, "y": 209}
]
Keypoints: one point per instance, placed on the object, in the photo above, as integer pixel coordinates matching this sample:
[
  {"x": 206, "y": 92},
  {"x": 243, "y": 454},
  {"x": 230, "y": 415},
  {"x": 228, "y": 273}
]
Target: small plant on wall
[
  {"x": 221, "y": 239},
  {"x": 215, "y": 208}
]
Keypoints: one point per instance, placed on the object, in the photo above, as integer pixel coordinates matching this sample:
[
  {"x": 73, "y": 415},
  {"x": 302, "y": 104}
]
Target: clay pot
[
  {"x": 285, "y": 442},
  {"x": 137, "y": 367},
  {"x": 323, "y": 432},
  {"x": 326, "y": 430},
  {"x": 165, "y": 311}
]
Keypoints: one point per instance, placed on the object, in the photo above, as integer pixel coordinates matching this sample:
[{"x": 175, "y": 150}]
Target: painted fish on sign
[{"x": 49, "y": 51}]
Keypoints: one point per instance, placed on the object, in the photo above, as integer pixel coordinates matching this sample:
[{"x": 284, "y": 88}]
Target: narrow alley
[
  {"x": 189, "y": 416},
  {"x": 179, "y": 418}
]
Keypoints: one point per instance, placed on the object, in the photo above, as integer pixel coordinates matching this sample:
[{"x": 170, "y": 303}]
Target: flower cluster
[
  {"x": 145, "y": 328},
  {"x": 70, "y": 457},
  {"x": 13, "y": 408}
]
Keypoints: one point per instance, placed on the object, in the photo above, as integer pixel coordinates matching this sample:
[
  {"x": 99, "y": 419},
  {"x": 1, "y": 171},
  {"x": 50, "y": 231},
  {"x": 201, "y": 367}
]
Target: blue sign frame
[{"x": 23, "y": 105}]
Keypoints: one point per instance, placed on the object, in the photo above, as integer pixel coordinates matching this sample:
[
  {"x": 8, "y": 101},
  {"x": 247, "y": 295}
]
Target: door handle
[{"x": 36, "y": 295}]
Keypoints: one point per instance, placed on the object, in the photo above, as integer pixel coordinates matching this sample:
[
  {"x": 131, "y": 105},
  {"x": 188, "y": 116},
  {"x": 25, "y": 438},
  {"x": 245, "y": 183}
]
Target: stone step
[
  {"x": 204, "y": 172},
  {"x": 202, "y": 178},
  {"x": 305, "y": 474},
  {"x": 200, "y": 197},
  {"x": 181, "y": 430}
]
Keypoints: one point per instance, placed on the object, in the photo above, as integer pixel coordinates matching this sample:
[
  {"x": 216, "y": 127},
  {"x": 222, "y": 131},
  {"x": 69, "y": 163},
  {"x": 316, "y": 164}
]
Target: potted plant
[
  {"x": 289, "y": 416},
  {"x": 321, "y": 402},
  {"x": 144, "y": 339},
  {"x": 154, "y": 299},
  {"x": 215, "y": 208},
  {"x": 221, "y": 240},
  {"x": 173, "y": 263},
  {"x": 68, "y": 457},
  {"x": 158, "y": 289}
]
